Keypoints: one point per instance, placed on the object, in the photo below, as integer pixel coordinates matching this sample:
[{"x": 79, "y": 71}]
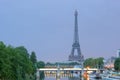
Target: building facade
[{"x": 118, "y": 53}]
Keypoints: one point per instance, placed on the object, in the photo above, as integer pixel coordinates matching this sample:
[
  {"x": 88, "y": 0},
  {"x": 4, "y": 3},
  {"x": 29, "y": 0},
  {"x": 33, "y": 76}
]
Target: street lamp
[
  {"x": 82, "y": 66},
  {"x": 37, "y": 72}
]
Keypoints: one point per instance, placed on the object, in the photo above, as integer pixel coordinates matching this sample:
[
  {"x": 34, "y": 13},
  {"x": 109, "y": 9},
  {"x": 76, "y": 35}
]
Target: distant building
[
  {"x": 109, "y": 63},
  {"x": 118, "y": 53}
]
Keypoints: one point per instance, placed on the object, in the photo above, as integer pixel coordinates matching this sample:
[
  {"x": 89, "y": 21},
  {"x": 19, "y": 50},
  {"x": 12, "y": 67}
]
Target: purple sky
[{"x": 46, "y": 27}]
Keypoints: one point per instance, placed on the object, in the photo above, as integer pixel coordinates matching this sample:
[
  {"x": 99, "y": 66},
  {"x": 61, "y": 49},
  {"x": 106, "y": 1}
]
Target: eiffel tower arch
[{"x": 76, "y": 45}]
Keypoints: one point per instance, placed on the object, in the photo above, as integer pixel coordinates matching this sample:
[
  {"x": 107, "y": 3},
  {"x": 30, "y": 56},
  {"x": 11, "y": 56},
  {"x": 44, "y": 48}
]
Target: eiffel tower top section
[
  {"x": 76, "y": 13},
  {"x": 76, "y": 36}
]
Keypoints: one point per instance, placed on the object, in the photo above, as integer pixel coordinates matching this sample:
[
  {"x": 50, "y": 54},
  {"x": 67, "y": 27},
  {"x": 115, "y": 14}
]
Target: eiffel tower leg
[
  {"x": 78, "y": 51},
  {"x": 72, "y": 52},
  {"x": 71, "y": 57}
]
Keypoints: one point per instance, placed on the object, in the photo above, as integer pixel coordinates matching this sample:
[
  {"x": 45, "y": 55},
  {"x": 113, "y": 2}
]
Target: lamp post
[
  {"x": 37, "y": 72},
  {"x": 37, "y": 75},
  {"x": 104, "y": 61},
  {"x": 82, "y": 69},
  {"x": 82, "y": 66}
]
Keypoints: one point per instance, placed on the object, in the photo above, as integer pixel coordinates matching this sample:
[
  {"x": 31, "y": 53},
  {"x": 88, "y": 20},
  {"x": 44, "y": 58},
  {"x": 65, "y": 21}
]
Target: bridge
[
  {"x": 68, "y": 69},
  {"x": 58, "y": 71}
]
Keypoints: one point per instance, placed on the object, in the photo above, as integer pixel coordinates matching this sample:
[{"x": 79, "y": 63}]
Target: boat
[
  {"x": 98, "y": 76},
  {"x": 95, "y": 76}
]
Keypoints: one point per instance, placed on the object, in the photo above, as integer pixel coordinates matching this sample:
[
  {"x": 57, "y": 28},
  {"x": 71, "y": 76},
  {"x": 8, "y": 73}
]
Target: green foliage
[
  {"x": 117, "y": 64},
  {"x": 34, "y": 62},
  {"x": 98, "y": 62},
  {"x": 15, "y": 63},
  {"x": 40, "y": 64},
  {"x": 33, "y": 58}
]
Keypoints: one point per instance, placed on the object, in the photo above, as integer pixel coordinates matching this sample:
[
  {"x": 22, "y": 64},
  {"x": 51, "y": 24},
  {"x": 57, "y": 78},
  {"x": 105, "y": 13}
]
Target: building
[{"x": 118, "y": 53}]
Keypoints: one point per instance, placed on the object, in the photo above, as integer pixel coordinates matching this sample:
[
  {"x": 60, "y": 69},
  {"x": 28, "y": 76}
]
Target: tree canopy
[
  {"x": 15, "y": 63},
  {"x": 91, "y": 62},
  {"x": 117, "y": 64}
]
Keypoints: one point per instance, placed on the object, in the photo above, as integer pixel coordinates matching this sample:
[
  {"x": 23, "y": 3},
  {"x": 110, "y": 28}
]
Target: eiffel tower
[{"x": 76, "y": 45}]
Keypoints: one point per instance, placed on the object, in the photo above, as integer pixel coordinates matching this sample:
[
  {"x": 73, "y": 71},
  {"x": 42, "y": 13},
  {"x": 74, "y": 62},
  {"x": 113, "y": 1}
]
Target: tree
[
  {"x": 33, "y": 57},
  {"x": 89, "y": 62},
  {"x": 100, "y": 62},
  {"x": 97, "y": 62},
  {"x": 34, "y": 62},
  {"x": 15, "y": 63},
  {"x": 40, "y": 64},
  {"x": 5, "y": 63},
  {"x": 117, "y": 64}
]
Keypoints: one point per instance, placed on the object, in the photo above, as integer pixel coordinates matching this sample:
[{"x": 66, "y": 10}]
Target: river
[{"x": 66, "y": 78}]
